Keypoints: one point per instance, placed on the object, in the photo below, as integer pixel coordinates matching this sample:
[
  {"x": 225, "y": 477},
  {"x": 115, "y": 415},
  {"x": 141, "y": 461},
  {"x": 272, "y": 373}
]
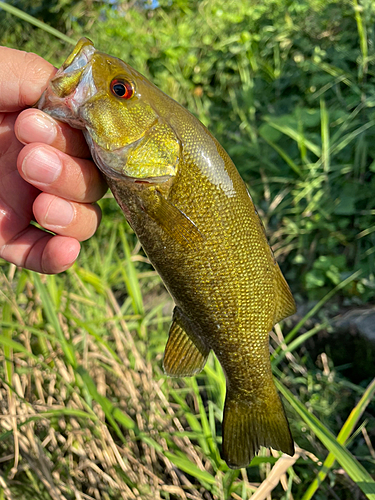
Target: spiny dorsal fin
[
  {"x": 185, "y": 354},
  {"x": 285, "y": 305}
]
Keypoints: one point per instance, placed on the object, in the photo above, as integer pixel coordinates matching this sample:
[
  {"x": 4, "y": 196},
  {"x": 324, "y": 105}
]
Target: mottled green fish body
[{"x": 195, "y": 219}]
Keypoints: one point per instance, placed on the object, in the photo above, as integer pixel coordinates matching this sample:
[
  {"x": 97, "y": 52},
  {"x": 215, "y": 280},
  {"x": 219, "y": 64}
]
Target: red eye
[{"x": 122, "y": 88}]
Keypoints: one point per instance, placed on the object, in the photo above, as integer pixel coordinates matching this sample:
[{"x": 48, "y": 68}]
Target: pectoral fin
[
  {"x": 185, "y": 354},
  {"x": 173, "y": 221}
]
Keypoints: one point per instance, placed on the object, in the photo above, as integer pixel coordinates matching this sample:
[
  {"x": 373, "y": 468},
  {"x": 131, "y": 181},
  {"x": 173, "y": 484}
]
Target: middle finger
[{"x": 33, "y": 125}]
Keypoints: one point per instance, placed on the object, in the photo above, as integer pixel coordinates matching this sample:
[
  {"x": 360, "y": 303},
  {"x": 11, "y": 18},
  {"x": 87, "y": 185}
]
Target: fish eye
[{"x": 122, "y": 88}]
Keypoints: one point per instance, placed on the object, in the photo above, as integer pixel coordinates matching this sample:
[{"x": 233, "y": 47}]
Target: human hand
[{"x": 51, "y": 179}]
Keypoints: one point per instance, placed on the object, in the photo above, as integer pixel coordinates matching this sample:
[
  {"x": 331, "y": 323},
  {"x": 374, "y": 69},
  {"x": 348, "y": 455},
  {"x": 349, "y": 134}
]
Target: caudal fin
[{"x": 246, "y": 427}]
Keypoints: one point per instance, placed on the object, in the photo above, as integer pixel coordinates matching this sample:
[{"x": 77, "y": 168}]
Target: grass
[
  {"x": 85, "y": 410},
  {"x": 32, "y": 20}
]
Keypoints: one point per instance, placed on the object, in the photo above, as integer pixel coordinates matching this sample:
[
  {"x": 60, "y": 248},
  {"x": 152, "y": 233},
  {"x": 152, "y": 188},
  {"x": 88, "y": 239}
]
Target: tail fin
[{"x": 247, "y": 426}]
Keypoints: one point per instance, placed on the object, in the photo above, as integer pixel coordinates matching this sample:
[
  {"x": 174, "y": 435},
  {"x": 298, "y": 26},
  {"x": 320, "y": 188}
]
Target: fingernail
[
  {"x": 59, "y": 213},
  {"x": 42, "y": 166},
  {"x": 36, "y": 127}
]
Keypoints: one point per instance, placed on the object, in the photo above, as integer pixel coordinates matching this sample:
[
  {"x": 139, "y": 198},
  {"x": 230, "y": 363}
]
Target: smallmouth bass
[{"x": 195, "y": 219}]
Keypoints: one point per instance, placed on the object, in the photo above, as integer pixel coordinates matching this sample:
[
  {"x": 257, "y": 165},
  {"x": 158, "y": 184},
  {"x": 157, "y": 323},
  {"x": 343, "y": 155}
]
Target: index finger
[{"x": 23, "y": 77}]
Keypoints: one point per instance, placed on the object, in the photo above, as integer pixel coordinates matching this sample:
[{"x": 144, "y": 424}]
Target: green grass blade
[
  {"x": 353, "y": 468},
  {"x": 112, "y": 413},
  {"x": 105, "y": 263},
  {"x": 320, "y": 304},
  {"x": 210, "y": 442},
  {"x": 7, "y": 332},
  {"x": 348, "y": 138},
  {"x": 92, "y": 332},
  {"x": 342, "y": 437},
  {"x": 193, "y": 422},
  {"x": 151, "y": 442},
  {"x": 19, "y": 327},
  {"x": 216, "y": 379},
  {"x": 16, "y": 346},
  {"x": 93, "y": 279},
  {"x": 69, "y": 412},
  {"x": 283, "y": 155},
  {"x": 183, "y": 463},
  {"x": 295, "y": 135},
  {"x": 52, "y": 318},
  {"x": 296, "y": 343},
  {"x": 325, "y": 136},
  {"x": 362, "y": 33},
  {"x": 39, "y": 24},
  {"x": 130, "y": 275}
]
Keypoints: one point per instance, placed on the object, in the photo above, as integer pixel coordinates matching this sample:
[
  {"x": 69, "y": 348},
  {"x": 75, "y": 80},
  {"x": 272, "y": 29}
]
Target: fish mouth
[
  {"x": 71, "y": 87},
  {"x": 79, "y": 58}
]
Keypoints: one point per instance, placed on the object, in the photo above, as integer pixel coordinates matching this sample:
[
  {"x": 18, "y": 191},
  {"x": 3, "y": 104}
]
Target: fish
[{"x": 195, "y": 219}]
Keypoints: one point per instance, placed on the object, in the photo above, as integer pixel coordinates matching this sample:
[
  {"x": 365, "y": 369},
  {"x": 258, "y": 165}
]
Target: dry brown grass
[{"x": 80, "y": 457}]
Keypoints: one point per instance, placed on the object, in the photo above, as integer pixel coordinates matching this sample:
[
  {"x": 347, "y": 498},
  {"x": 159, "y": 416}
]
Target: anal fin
[{"x": 185, "y": 354}]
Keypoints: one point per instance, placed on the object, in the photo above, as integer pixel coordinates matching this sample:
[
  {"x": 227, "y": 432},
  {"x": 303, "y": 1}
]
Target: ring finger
[
  {"x": 67, "y": 218},
  {"x": 54, "y": 172}
]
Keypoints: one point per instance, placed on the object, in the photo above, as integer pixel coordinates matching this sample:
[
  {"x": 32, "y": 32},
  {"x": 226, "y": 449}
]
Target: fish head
[{"x": 120, "y": 112}]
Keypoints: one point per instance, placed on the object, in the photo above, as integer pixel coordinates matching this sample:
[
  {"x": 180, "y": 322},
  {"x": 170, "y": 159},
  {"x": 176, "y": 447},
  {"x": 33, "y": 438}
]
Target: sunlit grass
[{"x": 83, "y": 377}]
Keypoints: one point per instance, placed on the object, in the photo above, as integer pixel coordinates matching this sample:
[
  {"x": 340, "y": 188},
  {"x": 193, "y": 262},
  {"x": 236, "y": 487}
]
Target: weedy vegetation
[{"x": 85, "y": 409}]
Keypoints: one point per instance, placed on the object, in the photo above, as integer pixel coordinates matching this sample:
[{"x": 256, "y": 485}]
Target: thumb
[{"x": 23, "y": 77}]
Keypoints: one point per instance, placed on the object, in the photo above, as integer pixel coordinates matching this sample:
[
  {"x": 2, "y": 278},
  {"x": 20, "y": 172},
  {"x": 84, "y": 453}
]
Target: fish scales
[{"x": 195, "y": 219}]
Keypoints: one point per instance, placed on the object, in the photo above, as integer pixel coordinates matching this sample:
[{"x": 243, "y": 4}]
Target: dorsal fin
[
  {"x": 285, "y": 305},
  {"x": 185, "y": 354}
]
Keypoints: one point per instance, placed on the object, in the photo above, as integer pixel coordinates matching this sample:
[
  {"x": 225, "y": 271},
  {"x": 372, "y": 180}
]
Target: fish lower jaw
[{"x": 59, "y": 110}]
